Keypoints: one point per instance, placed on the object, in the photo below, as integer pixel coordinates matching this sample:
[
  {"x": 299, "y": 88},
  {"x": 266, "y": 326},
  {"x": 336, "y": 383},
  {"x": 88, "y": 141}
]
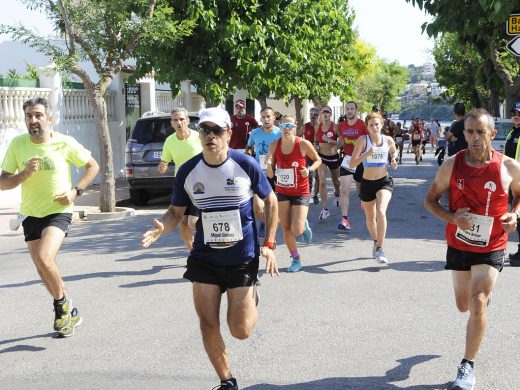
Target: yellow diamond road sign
[{"x": 513, "y": 24}]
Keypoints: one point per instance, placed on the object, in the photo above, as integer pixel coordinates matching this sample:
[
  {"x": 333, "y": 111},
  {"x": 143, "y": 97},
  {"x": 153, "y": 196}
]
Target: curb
[{"x": 90, "y": 214}]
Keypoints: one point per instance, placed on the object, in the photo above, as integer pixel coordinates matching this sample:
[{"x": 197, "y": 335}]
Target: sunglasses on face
[
  {"x": 205, "y": 129},
  {"x": 326, "y": 112},
  {"x": 288, "y": 125}
]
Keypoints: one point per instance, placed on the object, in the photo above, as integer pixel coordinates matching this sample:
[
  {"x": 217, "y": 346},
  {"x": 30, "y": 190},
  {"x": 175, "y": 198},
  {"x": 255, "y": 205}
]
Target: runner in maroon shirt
[{"x": 241, "y": 125}]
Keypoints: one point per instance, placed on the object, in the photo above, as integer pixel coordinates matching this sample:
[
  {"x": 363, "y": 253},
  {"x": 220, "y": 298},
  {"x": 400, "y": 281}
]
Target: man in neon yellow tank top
[
  {"x": 40, "y": 161},
  {"x": 179, "y": 148}
]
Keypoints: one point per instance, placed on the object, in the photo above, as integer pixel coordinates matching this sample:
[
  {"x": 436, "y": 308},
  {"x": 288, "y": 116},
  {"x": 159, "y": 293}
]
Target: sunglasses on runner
[
  {"x": 205, "y": 129},
  {"x": 287, "y": 125},
  {"x": 326, "y": 112}
]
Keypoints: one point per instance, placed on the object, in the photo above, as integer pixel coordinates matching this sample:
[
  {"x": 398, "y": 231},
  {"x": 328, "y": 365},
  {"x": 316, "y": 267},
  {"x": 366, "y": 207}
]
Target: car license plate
[{"x": 157, "y": 155}]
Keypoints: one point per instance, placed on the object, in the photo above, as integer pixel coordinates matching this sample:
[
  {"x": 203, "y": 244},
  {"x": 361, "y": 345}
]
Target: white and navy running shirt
[
  {"x": 226, "y": 230},
  {"x": 379, "y": 156}
]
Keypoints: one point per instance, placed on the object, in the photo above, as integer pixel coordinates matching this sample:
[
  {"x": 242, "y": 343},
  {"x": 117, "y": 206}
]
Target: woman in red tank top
[{"x": 287, "y": 160}]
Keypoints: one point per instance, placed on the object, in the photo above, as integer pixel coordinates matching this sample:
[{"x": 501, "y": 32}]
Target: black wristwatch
[{"x": 79, "y": 191}]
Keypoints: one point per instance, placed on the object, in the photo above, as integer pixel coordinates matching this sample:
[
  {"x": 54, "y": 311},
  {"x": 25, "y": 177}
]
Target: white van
[{"x": 503, "y": 127}]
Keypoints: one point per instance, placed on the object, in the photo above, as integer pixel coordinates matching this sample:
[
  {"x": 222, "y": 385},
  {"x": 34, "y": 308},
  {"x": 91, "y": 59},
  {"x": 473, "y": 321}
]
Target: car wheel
[{"x": 139, "y": 197}]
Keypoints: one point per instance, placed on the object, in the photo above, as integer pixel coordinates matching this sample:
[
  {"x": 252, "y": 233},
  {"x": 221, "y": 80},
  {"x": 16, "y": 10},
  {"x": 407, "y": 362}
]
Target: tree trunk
[
  {"x": 107, "y": 195},
  {"x": 262, "y": 99},
  {"x": 298, "y": 106}
]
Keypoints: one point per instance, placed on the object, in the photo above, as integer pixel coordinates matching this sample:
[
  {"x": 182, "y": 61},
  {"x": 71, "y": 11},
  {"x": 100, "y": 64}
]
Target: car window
[
  {"x": 152, "y": 130},
  {"x": 502, "y": 129}
]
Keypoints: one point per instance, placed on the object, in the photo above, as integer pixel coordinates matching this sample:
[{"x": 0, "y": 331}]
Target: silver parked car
[{"x": 143, "y": 154}]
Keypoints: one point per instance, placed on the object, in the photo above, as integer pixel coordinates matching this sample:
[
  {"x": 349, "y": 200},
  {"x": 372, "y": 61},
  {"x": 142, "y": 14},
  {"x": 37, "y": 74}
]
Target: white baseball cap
[{"x": 216, "y": 115}]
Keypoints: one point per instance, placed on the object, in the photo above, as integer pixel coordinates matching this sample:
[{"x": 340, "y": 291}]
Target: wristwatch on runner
[
  {"x": 79, "y": 191},
  {"x": 270, "y": 244}
]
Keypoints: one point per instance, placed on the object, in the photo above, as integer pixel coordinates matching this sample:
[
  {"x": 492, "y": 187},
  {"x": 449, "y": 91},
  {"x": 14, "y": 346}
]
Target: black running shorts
[
  {"x": 369, "y": 188},
  {"x": 333, "y": 162},
  {"x": 294, "y": 200},
  {"x": 358, "y": 174},
  {"x": 229, "y": 276},
  {"x": 458, "y": 260},
  {"x": 34, "y": 226}
]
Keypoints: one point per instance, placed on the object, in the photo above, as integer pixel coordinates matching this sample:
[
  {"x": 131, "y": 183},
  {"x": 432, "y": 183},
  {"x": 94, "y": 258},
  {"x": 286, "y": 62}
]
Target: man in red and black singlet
[
  {"x": 241, "y": 125},
  {"x": 349, "y": 131},
  {"x": 416, "y": 136},
  {"x": 389, "y": 127},
  {"x": 478, "y": 180},
  {"x": 326, "y": 142},
  {"x": 309, "y": 130}
]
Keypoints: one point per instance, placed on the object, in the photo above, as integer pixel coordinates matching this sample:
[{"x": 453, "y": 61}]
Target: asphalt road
[{"x": 343, "y": 322}]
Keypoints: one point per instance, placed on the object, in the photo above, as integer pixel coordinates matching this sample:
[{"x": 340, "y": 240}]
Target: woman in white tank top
[{"x": 377, "y": 186}]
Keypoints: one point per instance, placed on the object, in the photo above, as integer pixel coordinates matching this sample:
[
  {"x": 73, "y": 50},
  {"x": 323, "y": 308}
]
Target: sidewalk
[{"x": 10, "y": 204}]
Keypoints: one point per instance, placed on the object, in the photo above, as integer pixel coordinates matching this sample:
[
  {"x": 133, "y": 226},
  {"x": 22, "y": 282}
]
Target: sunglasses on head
[
  {"x": 287, "y": 125},
  {"x": 205, "y": 129}
]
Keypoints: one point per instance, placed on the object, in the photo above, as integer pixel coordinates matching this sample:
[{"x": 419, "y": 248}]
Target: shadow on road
[
  {"x": 405, "y": 266},
  {"x": 104, "y": 275},
  {"x": 25, "y": 347},
  {"x": 396, "y": 374}
]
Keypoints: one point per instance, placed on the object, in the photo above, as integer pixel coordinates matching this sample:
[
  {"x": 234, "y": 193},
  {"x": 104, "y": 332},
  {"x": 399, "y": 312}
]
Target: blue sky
[{"x": 393, "y": 27}]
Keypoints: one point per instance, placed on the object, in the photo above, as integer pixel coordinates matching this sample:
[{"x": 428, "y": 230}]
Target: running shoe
[
  {"x": 336, "y": 200},
  {"x": 295, "y": 265},
  {"x": 62, "y": 315},
  {"x": 344, "y": 224},
  {"x": 374, "y": 249},
  {"x": 226, "y": 385},
  {"x": 324, "y": 214},
  {"x": 75, "y": 320},
  {"x": 380, "y": 256},
  {"x": 315, "y": 199},
  {"x": 307, "y": 233},
  {"x": 465, "y": 379}
]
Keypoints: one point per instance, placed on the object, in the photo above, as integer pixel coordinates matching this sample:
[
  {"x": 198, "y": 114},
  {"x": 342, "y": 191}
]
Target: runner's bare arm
[
  {"x": 357, "y": 157},
  {"x": 512, "y": 181},
  {"x": 440, "y": 185},
  {"x": 90, "y": 170},
  {"x": 308, "y": 149},
  {"x": 8, "y": 181},
  {"x": 392, "y": 150},
  {"x": 271, "y": 224},
  {"x": 166, "y": 224},
  {"x": 270, "y": 160}
]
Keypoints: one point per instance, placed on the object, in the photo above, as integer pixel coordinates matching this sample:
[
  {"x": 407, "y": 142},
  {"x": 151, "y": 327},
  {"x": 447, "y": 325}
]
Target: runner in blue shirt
[
  {"x": 258, "y": 144},
  {"x": 221, "y": 182}
]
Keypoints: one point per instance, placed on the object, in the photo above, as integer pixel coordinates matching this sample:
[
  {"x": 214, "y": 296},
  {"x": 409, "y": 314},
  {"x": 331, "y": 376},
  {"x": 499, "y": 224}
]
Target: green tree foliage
[
  {"x": 106, "y": 33},
  {"x": 462, "y": 71},
  {"x": 482, "y": 24},
  {"x": 381, "y": 85},
  {"x": 287, "y": 48}
]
